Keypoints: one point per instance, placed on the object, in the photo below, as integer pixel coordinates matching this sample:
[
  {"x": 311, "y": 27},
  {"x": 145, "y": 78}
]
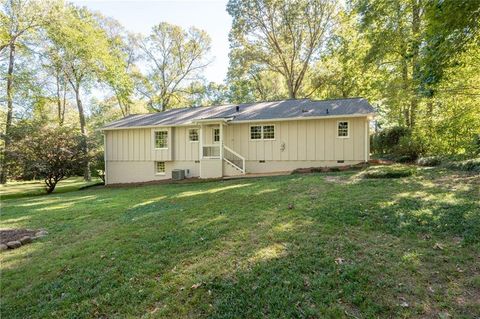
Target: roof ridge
[{"x": 340, "y": 98}]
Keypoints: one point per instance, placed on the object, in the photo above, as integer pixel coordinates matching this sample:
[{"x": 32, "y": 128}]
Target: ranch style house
[{"x": 237, "y": 139}]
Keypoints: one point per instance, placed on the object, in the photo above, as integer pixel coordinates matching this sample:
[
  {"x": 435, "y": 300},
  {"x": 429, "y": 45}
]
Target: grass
[
  {"x": 394, "y": 171},
  {"x": 34, "y": 188},
  {"x": 301, "y": 246}
]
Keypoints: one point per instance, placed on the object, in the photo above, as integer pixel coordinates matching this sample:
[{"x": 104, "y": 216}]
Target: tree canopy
[{"x": 416, "y": 61}]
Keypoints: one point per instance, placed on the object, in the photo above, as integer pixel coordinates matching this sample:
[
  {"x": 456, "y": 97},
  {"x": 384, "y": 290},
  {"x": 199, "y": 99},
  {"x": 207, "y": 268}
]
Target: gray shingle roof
[{"x": 300, "y": 108}]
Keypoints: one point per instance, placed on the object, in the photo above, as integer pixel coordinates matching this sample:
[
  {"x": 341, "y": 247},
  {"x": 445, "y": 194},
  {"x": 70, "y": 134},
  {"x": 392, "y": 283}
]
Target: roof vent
[
  {"x": 327, "y": 111},
  {"x": 237, "y": 108},
  {"x": 305, "y": 111}
]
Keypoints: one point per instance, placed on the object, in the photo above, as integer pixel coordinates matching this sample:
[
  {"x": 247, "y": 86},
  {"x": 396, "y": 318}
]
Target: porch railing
[
  {"x": 211, "y": 151},
  {"x": 234, "y": 158}
]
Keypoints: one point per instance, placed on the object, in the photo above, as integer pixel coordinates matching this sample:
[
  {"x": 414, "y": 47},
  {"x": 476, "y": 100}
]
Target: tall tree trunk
[
  {"x": 11, "y": 63},
  {"x": 415, "y": 64},
  {"x": 86, "y": 175},
  {"x": 59, "y": 101},
  {"x": 291, "y": 91},
  {"x": 407, "y": 90}
]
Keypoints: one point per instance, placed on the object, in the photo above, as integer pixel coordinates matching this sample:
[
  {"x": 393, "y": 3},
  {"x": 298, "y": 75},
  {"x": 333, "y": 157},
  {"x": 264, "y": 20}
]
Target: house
[{"x": 229, "y": 140}]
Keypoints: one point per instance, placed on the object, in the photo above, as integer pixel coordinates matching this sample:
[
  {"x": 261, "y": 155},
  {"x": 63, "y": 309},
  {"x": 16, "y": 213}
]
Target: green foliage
[
  {"x": 49, "y": 153},
  {"x": 450, "y": 26},
  {"x": 283, "y": 37},
  {"x": 471, "y": 165},
  {"x": 385, "y": 141},
  {"x": 173, "y": 57}
]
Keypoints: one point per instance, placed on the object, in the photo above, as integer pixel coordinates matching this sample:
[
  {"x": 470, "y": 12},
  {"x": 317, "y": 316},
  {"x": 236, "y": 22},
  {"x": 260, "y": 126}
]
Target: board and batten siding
[
  {"x": 137, "y": 145},
  {"x": 302, "y": 140}
]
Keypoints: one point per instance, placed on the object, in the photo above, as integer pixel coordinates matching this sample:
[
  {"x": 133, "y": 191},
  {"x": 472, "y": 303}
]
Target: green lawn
[
  {"x": 325, "y": 245},
  {"x": 32, "y": 188}
]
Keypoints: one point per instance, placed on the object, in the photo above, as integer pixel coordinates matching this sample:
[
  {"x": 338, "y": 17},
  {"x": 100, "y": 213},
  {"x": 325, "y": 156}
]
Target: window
[
  {"x": 216, "y": 135},
  {"x": 342, "y": 129},
  {"x": 193, "y": 135},
  {"x": 265, "y": 132},
  {"x": 160, "y": 168},
  {"x": 161, "y": 139},
  {"x": 255, "y": 132},
  {"x": 268, "y": 132}
]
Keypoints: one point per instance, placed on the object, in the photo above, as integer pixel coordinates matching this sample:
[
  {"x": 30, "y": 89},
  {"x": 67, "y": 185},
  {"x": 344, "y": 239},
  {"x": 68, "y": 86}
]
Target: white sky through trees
[{"x": 141, "y": 16}]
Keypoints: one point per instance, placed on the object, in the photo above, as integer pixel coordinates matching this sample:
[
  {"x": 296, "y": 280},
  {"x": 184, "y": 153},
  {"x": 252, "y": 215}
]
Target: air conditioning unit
[{"x": 178, "y": 174}]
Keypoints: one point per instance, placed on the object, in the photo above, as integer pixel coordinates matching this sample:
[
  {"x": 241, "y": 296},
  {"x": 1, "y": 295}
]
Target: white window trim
[
  {"x": 213, "y": 135},
  {"x": 250, "y": 133},
  {"x": 198, "y": 135},
  {"x": 155, "y": 144},
  {"x": 348, "y": 129},
  {"x": 155, "y": 168},
  {"x": 261, "y": 132},
  {"x": 274, "y": 132}
]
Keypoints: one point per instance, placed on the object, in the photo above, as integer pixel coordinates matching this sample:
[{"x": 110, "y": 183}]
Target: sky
[{"x": 141, "y": 16}]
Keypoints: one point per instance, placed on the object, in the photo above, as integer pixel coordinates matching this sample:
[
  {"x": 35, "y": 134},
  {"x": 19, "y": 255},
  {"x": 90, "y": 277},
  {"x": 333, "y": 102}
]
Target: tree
[
  {"x": 394, "y": 30},
  {"x": 52, "y": 153},
  {"x": 122, "y": 72},
  {"x": 285, "y": 37},
  {"x": 86, "y": 54},
  {"x": 174, "y": 58},
  {"x": 19, "y": 18},
  {"x": 450, "y": 26}
]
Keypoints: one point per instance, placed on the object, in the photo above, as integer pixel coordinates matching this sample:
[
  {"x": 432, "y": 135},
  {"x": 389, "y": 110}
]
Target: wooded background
[{"x": 65, "y": 71}]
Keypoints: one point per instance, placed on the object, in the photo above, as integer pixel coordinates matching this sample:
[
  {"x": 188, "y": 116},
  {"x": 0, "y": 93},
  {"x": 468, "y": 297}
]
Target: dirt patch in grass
[
  {"x": 337, "y": 179},
  {"x": 7, "y": 235}
]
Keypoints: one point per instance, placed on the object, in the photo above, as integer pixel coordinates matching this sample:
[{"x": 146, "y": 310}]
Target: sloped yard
[{"x": 324, "y": 245}]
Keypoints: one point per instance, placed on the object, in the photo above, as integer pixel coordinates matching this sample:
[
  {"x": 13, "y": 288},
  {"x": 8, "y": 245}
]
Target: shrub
[
  {"x": 51, "y": 153},
  {"x": 474, "y": 147},
  {"x": 389, "y": 172},
  {"x": 387, "y": 140},
  {"x": 471, "y": 165},
  {"x": 429, "y": 161},
  {"x": 408, "y": 149}
]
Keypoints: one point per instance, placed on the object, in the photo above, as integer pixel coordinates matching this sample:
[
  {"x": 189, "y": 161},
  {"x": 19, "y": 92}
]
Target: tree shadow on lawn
[{"x": 251, "y": 255}]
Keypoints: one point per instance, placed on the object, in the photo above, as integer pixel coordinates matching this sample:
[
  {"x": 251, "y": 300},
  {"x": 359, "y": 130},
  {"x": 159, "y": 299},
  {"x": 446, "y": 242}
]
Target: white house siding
[
  {"x": 304, "y": 140},
  {"x": 131, "y": 156},
  {"x": 136, "y": 145},
  {"x": 119, "y": 172}
]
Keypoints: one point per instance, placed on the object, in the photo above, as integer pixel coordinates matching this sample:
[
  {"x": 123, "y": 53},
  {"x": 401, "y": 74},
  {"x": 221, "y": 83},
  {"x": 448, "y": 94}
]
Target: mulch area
[{"x": 7, "y": 235}]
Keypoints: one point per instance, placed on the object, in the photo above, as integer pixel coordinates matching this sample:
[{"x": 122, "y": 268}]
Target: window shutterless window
[
  {"x": 193, "y": 135},
  {"x": 160, "y": 168},
  {"x": 256, "y": 132},
  {"x": 265, "y": 132},
  {"x": 268, "y": 132},
  {"x": 342, "y": 129},
  {"x": 216, "y": 135},
  {"x": 161, "y": 139}
]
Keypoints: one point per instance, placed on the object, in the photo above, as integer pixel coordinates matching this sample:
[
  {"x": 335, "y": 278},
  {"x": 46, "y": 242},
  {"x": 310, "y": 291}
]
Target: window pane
[
  {"x": 269, "y": 132},
  {"x": 255, "y": 132},
  {"x": 216, "y": 135},
  {"x": 193, "y": 135},
  {"x": 342, "y": 129},
  {"x": 160, "y": 168},
  {"x": 161, "y": 139}
]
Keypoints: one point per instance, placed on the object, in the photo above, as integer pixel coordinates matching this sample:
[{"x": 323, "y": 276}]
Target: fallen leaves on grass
[{"x": 195, "y": 286}]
